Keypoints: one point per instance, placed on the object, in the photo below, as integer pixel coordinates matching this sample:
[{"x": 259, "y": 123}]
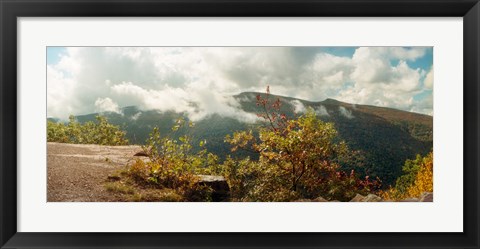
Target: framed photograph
[{"x": 271, "y": 124}]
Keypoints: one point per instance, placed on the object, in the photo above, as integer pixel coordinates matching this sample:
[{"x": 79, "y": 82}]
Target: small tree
[
  {"x": 298, "y": 156},
  {"x": 417, "y": 178}
]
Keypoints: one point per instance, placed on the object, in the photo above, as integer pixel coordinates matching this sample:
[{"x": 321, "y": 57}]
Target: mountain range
[{"x": 382, "y": 137}]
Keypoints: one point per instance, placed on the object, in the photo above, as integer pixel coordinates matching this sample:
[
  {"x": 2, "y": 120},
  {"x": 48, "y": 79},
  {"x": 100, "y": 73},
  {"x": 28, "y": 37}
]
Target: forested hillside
[{"x": 381, "y": 139}]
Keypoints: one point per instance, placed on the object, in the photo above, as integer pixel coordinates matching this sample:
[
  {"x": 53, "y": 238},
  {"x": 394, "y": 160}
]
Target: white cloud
[
  {"x": 345, "y": 112},
  {"x": 378, "y": 82},
  {"x": 106, "y": 105},
  {"x": 298, "y": 107},
  {"x": 423, "y": 105},
  {"x": 405, "y": 53},
  {"x": 136, "y": 116},
  {"x": 168, "y": 99},
  {"x": 60, "y": 90},
  {"x": 201, "y": 81},
  {"x": 321, "y": 111},
  {"x": 428, "y": 82},
  {"x": 196, "y": 103}
]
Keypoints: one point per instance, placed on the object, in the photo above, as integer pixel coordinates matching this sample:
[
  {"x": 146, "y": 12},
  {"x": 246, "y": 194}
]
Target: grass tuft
[{"x": 118, "y": 187}]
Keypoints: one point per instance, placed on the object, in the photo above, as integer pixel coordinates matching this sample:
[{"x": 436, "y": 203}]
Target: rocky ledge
[{"x": 424, "y": 197}]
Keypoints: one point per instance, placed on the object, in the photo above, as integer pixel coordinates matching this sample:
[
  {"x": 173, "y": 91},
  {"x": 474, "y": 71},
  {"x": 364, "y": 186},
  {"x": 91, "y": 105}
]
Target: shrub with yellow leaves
[
  {"x": 424, "y": 179},
  {"x": 417, "y": 178}
]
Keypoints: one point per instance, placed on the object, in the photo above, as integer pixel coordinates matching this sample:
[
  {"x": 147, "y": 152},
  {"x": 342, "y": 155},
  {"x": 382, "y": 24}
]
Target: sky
[{"x": 200, "y": 81}]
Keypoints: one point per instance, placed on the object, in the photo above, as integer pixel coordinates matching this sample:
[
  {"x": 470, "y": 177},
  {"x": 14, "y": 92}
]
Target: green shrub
[
  {"x": 172, "y": 164},
  {"x": 99, "y": 132}
]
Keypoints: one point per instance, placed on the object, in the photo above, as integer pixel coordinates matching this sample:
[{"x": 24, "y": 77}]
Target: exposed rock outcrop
[
  {"x": 358, "y": 198},
  {"x": 368, "y": 198},
  {"x": 410, "y": 200},
  {"x": 426, "y": 197},
  {"x": 319, "y": 199},
  {"x": 219, "y": 185}
]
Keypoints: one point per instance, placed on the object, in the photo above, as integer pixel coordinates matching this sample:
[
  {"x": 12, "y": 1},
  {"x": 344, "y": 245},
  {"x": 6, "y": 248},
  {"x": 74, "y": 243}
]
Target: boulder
[
  {"x": 142, "y": 154},
  {"x": 219, "y": 185},
  {"x": 211, "y": 178},
  {"x": 426, "y": 197},
  {"x": 358, "y": 198},
  {"x": 319, "y": 199},
  {"x": 372, "y": 198},
  {"x": 410, "y": 200},
  {"x": 303, "y": 200},
  {"x": 368, "y": 198}
]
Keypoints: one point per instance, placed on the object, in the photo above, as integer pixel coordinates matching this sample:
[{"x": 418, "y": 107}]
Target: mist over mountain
[{"x": 383, "y": 137}]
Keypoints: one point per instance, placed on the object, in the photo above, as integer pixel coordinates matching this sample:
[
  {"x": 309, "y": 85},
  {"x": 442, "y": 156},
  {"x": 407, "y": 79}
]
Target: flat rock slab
[
  {"x": 77, "y": 172},
  {"x": 211, "y": 178}
]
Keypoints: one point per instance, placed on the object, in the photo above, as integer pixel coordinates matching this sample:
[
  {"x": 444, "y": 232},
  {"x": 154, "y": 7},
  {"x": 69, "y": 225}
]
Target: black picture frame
[{"x": 10, "y": 10}]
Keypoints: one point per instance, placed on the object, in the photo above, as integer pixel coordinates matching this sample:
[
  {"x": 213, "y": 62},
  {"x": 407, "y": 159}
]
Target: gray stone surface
[
  {"x": 426, "y": 197},
  {"x": 372, "y": 198},
  {"x": 319, "y": 199},
  {"x": 410, "y": 200},
  {"x": 219, "y": 185},
  {"x": 358, "y": 198}
]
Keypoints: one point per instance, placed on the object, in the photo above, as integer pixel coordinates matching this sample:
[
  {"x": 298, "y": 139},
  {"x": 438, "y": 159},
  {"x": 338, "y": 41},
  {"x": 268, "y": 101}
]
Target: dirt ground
[{"x": 78, "y": 173}]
